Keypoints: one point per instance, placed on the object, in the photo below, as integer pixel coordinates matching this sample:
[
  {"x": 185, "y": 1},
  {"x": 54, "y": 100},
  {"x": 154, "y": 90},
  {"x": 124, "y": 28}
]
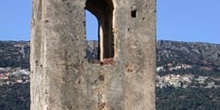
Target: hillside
[
  {"x": 14, "y": 54},
  {"x": 188, "y": 75},
  {"x": 195, "y": 53}
]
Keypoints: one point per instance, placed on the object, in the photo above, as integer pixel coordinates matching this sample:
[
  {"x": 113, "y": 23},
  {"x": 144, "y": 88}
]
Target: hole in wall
[
  {"x": 103, "y": 11},
  {"x": 134, "y": 13}
]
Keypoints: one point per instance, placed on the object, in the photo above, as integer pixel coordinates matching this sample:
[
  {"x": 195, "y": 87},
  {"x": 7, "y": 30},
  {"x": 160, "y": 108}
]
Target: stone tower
[{"x": 62, "y": 78}]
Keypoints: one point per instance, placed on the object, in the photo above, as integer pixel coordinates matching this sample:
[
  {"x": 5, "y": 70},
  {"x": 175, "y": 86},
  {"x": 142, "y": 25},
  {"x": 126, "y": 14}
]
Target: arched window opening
[{"x": 103, "y": 10}]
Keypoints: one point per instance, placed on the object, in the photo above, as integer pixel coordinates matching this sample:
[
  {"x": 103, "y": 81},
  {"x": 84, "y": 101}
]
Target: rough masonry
[{"x": 123, "y": 75}]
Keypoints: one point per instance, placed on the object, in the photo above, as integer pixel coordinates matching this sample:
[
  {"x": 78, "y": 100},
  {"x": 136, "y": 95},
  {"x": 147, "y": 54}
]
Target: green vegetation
[
  {"x": 188, "y": 99},
  {"x": 14, "y": 54},
  {"x": 15, "y": 97}
]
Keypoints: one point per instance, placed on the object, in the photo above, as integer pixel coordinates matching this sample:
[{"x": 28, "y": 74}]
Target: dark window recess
[{"x": 134, "y": 13}]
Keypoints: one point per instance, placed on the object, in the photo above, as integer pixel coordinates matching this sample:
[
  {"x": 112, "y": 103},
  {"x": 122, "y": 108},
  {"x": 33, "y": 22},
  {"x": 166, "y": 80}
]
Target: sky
[
  {"x": 15, "y": 19},
  {"x": 178, "y": 20},
  {"x": 189, "y": 20}
]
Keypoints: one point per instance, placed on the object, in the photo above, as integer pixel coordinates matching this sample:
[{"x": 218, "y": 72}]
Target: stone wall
[{"x": 62, "y": 78}]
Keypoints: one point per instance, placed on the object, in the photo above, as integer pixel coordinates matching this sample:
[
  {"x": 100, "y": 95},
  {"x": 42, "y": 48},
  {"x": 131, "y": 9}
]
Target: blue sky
[
  {"x": 179, "y": 20},
  {"x": 15, "y": 19},
  {"x": 189, "y": 20}
]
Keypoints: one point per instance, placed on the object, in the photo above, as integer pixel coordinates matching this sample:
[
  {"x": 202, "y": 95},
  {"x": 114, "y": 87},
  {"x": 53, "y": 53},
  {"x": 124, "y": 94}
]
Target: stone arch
[{"x": 103, "y": 10}]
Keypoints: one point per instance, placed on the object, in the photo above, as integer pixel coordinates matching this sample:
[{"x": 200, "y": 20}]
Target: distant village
[
  {"x": 9, "y": 76},
  {"x": 185, "y": 80}
]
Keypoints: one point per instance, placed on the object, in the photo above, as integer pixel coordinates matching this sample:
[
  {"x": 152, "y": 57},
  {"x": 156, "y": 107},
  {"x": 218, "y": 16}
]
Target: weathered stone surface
[{"x": 62, "y": 78}]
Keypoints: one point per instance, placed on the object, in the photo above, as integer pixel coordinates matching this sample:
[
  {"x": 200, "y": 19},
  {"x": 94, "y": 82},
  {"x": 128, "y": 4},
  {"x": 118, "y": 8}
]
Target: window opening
[
  {"x": 134, "y": 13},
  {"x": 103, "y": 10}
]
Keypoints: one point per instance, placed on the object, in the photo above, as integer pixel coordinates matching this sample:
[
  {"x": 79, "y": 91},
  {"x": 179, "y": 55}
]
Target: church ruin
[{"x": 61, "y": 76}]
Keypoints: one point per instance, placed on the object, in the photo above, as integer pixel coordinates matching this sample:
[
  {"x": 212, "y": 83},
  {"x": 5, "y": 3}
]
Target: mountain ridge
[{"x": 16, "y": 53}]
